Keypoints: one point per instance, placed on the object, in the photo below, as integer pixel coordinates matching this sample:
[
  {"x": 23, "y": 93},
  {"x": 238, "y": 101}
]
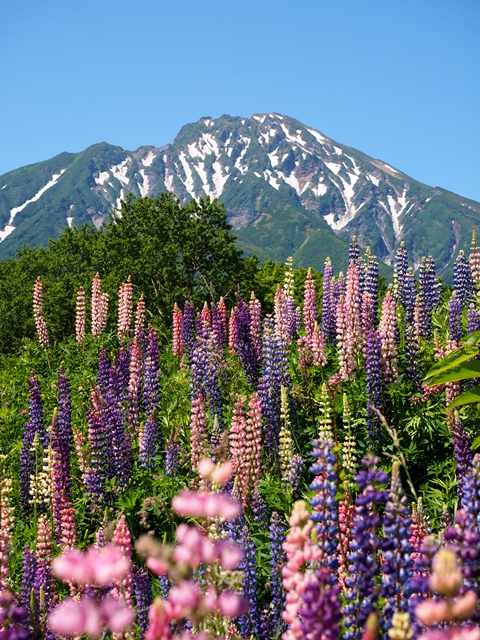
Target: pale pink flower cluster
[
  {"x": 6, "y": 530},
  {"x": 177, "y": 342},
  {"x": 309, "y": 305},
  {"x": 133, "y": 390},
  {"x": 97, "y": 567},
  {"x": 245, "y": 448},
  {"x": 205, "y": 503},
  {"x": 125, "y": 308},
  {"x": 300, "y": 552},
  {"x": 232, "y": 331},
  {"x": 474, "y": 259},
  {"x": 388, "y": 343},
  {"x": 99, "y": 307},
  {"x": 38, "y": 314},
  {"x": 446, "y": 579},
  {"x": 80, "y": 315}
]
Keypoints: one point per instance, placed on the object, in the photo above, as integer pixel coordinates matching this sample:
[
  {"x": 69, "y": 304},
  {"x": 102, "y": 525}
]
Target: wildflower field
[{"x": 308, "y": 473}]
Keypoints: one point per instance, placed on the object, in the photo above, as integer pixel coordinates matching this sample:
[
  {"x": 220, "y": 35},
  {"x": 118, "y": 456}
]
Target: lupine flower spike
[{"x": 40, "y": 323}]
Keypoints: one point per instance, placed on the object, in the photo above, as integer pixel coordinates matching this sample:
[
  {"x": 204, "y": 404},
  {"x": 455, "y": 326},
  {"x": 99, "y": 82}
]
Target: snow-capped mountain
[{"x": 288, "y": 190}]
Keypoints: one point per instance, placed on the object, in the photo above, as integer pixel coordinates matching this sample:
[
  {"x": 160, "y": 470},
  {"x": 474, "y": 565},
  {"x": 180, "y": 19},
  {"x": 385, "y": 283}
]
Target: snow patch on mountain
[
  {"x": 188, "y": 173},
  {"x": 318, "y": 136},
  {"x": 144, "y": 186},
  {"x": 149, "y": 158},
  {"x": 333, "y": 167},
  {"x": 119, "y": 171}
]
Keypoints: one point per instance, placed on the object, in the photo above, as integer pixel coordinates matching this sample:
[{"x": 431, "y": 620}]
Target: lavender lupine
[
  {"x": 463, "y": 537},
  {"x": 97, "y": 473},
  {"x": 375, "y": 390},
  {"x": 328, "y": 305},
  {"x": 188, "y": 328},
  {"x": 325, "y": 501},
  {"x": 150, "y": 441},
  {"x": 397, "y": 564},
  {"x": 34, "y": 427},
  {"x": 80, "y": 316},
  {"x": 289, "y": 289},
  {"x": 473, "y": 318},
  {"x": 125, "y": 308},
  {"x": 428, "y": 296},
  {"x": 244, "y": 345},
  {"x": 250, "y": 623},
  {"x": 204, "y": 376},
  {"x": 371, "y": 282},
  {"x": 463, "y": 282},
  {"x": 40, "y": 323},
  {"x": 362, "y": 595}
]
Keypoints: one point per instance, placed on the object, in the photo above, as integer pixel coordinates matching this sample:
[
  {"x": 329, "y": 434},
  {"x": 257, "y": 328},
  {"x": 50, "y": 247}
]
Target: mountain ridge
[{"x": 288, "y": 190}]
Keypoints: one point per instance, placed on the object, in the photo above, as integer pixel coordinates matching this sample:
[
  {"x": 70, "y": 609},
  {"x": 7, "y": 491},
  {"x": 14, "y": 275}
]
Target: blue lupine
[
  {"x": 272, "y": 623},
  {"x": 397, "y": 564},
  {"x": 411, "y": 357},
  {"x": 245, "y": 347},
  {"x": 320, "y": 610},
  {"x": 103, "y": 376},
  {"x": 471, "y": 491},
  {"x": 171, "y": 456},
  {"x": 120, "y": 449},
  {"x": 204, "y": 379},
  {"x": 151, "y": 381},
  {"x": 362, "y": 594},
  {"x": 462, "y": 444},
  {"x": 375, "y": 389},
  {"x": 151, "y": 441},
  {"x": 188, "y": 328},
  {"x": 473, "y": 319},
  {"x": 463, "y": 282},
  {"x": 399, "y": 273},
  {"x": 269, "y": 385},
  {"x": 143, "y": 597},
  {"x": 464, "y": 538},
  {"x": 250, "y": 623},
  {"x": 328, "y": 305},
  {"x": 122, "y": 369},
  {"x": 455, "y": 318},
  {"x": 97, "y": 473},
  {"x": 325, "y": 501},
  {"x": 34, "y": 426},
  {"x": 371, "y": 281},
  {"x": 428, "y": 295}
]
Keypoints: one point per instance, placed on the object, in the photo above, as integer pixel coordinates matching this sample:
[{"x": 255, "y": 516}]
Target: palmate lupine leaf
[{"x": 453, "y": 359}]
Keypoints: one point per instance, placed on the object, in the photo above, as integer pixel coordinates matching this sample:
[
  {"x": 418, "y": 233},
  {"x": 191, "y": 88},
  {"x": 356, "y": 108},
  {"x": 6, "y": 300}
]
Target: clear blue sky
[{"x": 396, "y": 79}]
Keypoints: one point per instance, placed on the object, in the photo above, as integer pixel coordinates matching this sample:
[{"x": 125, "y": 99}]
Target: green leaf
[
  {"x": 452, "y": 360},
  {"x": 461, "y": 372},
  {"x": 472, "y": 339},
  {"x": 475, "y": 443},
  {"x": 466, "y": 398}
]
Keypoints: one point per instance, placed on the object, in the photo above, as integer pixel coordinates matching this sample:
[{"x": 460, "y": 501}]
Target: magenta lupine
[
  {"x": 198, "y": 431},
  {"x": 205, "y": 315},
  {"x": 256, "y": 325},
  {"x": 177, "y": 343},
  {"x": 133, "y": 393},
  {"x": 80, "y": 316},
  {"x": 125, "y": 308},
  {"x": 387, "y": 331},
  {"x": 40, "y": 323}
]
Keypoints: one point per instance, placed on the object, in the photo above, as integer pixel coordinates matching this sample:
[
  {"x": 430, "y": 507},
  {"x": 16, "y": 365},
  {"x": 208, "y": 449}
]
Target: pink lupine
[
  {"x": 222, "y": 314},
  {"x": 159, "y": 616},
  {"x": 474, "y": 259},
  {"x": 388, "y": 343},
  {"x": 133, "y": 390},
  {"x": 6, "y": 529},
  {"x": 206, "y": 316},
  {"x": 177, "y": 343},
  {"x": 368, "y": 316},
  {"x": 40, "y": 323},
  {"x": 256, "y": 325},
  {"x": 352, "y": 311},
  {"x": 68, "y": 528},
  {"x": 125, "y": 308},
  {"x": 43, "y": 553},
  {"x": 309, "y": 305},
  {"x": 103, "y": 314},
  {"x": 280, "y": 315},
  {"x": 96, "y": 304},
  {"x": 205, "y": 503},
  {"x": 80, "y": 443},
  {"x": 232, "y": 331},
  {"x": 198, "y": 431},
  {"x": 318, "y": 347},
  {"x": 80, "y": 316},
  {"x": 140, "y": 317},
  {"x": 123, "y": 588},
  {"x": 345, "y": 360},
  {"x": 98, "y": 566}
]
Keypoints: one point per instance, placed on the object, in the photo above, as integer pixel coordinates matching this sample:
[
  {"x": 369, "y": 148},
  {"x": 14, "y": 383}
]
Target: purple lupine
[
  {"x": 269, "y": 385},
  {"x": 354, "y": 252},
  {"x": 97, "y": 472},
  {"x": 399, "y": 273},
  {"x": 371, "y": 281},
  {"x": 219, "y": 327},
  {"x": 375, "y": 391},
  {"x": 151, "y": 380},
  {"x": 463, "y": 537},
  {"x": 297, "y": 467},
  {"x": 463, "y": 282},
  {"x": 411, "y": 357},
  {"x": 362, "y": 593},
  {"x": 473, "y": 319},
  {"x": 150, "y": 441},
  {"x": 171, "y": 456},
  {"x": 60, "y": 472},
  {"x": 328, "y": 305},
  {"x": 122, "y": 370},
  {"x": 471, "y": 491},
  {"x": 455, "y": 318},
  {"x": 204, "y": 378},
  {"x": 119, "y": 443},
  {"x": 463, "y": 454},
  {"x": 409, "y": 296},
  {"x": 250, "y": 623},
  {"x": 244, "y": 345},
  {"x": 397, "y": 564},
  {"x": 188, "y": 329},
  {"x": 320, "y": 609},
  {"x": 419, "y": 583},
  {"x": 272, "y": 623},
  {"x": 29, "y": 566},
  {"x": 143, "y": 597},
  {"x": 339, "y": 287},
  {"x": 103, "y": 375},
  {"x": 429, "y": 295},
  {"x": 34, "y": 426},
  {"x": 325, "y": 501}
]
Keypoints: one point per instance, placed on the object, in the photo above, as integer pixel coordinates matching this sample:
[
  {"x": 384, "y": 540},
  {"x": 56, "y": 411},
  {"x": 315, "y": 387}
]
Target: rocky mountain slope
[{"x": 287, "y": 188}]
